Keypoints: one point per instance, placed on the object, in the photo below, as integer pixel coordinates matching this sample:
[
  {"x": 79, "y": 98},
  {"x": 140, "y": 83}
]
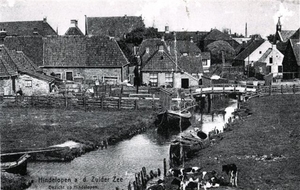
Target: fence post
[
  {"x": 109, "y": 90},
  {"x": 135, "y": 105},
  {"x": 281, "y": 89},
  {"x": 270, "y": 90},
  {"x": 223, "y": 88},
  {"x": 102, "y": 102},
  {"x": 294, "y": 89},
  {"x": 119, "y": 102}
]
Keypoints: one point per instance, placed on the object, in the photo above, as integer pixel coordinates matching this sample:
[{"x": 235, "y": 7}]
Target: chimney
[
  {"x": 35, "y": 31},
  {"x": 246, "y": 30},
  {"x": 125, "y": 16},
  {"x": 161, "y": 48},
  {"x": 3, "y": 34},
  {"x": 45, "y": 19},
  {"x": 167, "y": 29},
  {"x": 74, "y": 23},
  {"x": 147, "y": 50}
]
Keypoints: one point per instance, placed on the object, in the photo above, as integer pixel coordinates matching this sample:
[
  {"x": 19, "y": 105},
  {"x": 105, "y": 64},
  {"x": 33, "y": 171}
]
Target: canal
[{"x": 115, "y": 166}]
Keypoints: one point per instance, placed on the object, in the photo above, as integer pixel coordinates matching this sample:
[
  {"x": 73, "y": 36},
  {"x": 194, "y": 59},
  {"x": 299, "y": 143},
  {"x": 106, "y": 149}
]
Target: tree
[
  {"x": 271, "y": 38},
  {"x": 137, "y": 35},
  {"x": 216, "y": 48}
]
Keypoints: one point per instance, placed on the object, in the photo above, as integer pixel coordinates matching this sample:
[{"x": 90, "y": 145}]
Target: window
[
  {"x": 268, "y": 69},
  {"x": 69, "y": 75},
  {"x": 204, "y": 62},
  {"x": 280, "y": 70},
  {"x": 28, "y": 83},
  {"x": 153, "y": 79},
  {"x": 260, "y": 69},
  {"x": 169, "y": 79},
  {"x": 185, "y": 54},
  {"x": 259, "y": 52},
  {"x": 271, "y": 60}
]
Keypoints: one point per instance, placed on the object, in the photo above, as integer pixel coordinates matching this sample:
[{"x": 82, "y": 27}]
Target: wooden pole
[
  {"x": 165, "y": 167},
  {"x": 294, "y": 90},
  {"x": 119, "y": 102},
  {"x": 270, "y": 90},
  {"x": 136, "y": 104},
  {"x": 209, "y": 103},
  {"x": 281, "y": 89}
]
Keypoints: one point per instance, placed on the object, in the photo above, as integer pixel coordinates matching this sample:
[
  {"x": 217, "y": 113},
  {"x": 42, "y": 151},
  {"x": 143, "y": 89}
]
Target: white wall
[{"x": 38, "y": 87}]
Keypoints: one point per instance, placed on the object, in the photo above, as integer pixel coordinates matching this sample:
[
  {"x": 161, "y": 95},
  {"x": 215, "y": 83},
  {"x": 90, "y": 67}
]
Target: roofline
[
  {"x": 89, "y": 67},
  {"x": 121, "y": 53}
]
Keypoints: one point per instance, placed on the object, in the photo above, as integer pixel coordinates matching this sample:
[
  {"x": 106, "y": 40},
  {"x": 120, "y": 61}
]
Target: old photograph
[{"x": 150, "y": 94}]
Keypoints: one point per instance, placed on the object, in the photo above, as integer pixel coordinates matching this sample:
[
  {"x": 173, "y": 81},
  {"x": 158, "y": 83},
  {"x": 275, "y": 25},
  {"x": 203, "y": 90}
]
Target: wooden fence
[
  {"x": 85, "y": 103},
  {"x": 279, "y": 89}
]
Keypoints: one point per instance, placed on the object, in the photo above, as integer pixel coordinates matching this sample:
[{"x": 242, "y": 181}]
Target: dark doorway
[{"x": 184, "y": 83}]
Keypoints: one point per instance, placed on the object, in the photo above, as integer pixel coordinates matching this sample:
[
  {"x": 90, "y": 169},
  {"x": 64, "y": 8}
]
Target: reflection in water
[{"x": 122, "y": 160}]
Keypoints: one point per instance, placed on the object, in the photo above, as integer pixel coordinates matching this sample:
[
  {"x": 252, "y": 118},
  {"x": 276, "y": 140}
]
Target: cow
[
  {"x": 231, "y": 171},
  {"x": 191, "y": 184},
  {"x": 191, "y": 170}
]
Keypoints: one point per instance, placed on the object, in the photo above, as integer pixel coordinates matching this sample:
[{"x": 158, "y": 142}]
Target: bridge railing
[{"x": 223, "y": 88}]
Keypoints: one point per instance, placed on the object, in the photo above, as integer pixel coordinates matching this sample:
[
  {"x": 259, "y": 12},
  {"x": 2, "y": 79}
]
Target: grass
[
  {"x": 23, "y": 128},
  {"x": 264, "y": 146}
]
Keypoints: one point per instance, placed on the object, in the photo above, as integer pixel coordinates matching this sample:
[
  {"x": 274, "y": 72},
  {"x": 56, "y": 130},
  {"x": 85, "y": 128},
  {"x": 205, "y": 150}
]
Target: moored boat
[
  {"x": 172, "y": 121},
  {"x": 15, "y": 163}
]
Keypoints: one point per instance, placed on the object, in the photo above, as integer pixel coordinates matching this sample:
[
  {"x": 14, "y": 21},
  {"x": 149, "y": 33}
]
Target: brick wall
[{"x": 38, "y": 87}]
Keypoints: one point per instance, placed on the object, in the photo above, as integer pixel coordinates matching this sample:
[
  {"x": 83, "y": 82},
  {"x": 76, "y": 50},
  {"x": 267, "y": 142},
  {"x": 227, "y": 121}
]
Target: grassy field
[
  {"x": 265, "y": 146},
  {"x": 23, "y": 128}
]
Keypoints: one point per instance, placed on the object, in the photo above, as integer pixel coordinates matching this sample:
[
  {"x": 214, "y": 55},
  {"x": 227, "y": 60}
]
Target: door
[{"x": 184, "y": 83}]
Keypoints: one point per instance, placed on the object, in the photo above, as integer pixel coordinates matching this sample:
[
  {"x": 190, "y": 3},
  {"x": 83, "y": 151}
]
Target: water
[{"x": 115, "y": 167}]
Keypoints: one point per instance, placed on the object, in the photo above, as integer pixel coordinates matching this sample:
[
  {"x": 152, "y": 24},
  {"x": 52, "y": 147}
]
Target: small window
[
  {"x": 169, "y": 79},
  {"x": 69, "y": 75},
  {"x": 204, "y": 62},
  {"x": 153, "y": 79},
  {"x": 280, "y": 70},
  {"x": 161, "y": 57},
  {"x": 271, "y": 60},
  {"x": 28, "y": 83},
  {"x": 185, "y": 54},
  {"x": 259, "y": 52}
]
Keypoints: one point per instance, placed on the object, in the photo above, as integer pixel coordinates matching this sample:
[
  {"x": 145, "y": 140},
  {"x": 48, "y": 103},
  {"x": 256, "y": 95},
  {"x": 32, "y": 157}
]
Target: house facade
[
  {"x": 19, "y": 73},
  {"x": 171, "y": 64},
  {"x": 84, "y": 59}
]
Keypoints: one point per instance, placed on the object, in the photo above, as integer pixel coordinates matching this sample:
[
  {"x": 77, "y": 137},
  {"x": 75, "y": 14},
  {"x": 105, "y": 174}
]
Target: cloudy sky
[{"x": 192, "y": 15}]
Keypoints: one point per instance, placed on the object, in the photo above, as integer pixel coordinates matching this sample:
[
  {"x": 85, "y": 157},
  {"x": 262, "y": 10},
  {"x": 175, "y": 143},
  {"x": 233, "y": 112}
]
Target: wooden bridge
[{"x": 223, "y": 89}]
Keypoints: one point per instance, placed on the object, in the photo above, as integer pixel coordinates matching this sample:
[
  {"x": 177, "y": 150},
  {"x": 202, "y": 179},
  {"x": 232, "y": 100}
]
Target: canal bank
[
  {"x": 263, "y": 143},
  {"x": 32, "y": 129}
]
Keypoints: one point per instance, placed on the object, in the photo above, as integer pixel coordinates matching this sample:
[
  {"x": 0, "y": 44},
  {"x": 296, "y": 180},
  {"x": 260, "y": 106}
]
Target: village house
[
  {"x": 260, "y": 50},
  {"x": 84, "y": 59},
  {"x": 169, "y": 63},
  {"x": 116, "y": 27},
  {"x": 19, "y": 73}
]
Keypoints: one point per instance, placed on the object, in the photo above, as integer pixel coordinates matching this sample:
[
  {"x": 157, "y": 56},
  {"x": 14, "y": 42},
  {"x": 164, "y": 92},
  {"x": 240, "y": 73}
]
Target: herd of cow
[{"x": 195, "y": 179}]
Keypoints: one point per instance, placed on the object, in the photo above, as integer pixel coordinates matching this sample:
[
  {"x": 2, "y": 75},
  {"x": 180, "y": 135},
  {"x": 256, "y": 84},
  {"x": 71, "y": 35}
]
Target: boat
[
  {"x": 16, "y": 163},
  {"x": 185, "y": 146},
  {"x": 171, "y": 121}
]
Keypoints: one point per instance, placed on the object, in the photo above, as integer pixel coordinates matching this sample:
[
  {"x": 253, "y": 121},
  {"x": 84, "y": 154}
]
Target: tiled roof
[
  {"x": 82, "y": 51},
  {"x": 153, "y": 45},
  {"x": 286, "y": 34},
  {"x": 184, "y": 47},
  {"x": 217, "y": 35},
  {"x": 23, "y": 63},
  {"x": 27, "y": 28},
  {"x": 296, "y": 49},
  {"x": 31, "y": 46},
  {"x": 252, "y": 46},
  {"x": 7, "y": 65},
  {"x": 113, "y": 26},
  {"x": 160, "y": 61},
  {"x": 74, "y": 31},
  {"x": 296, "y": 35},
  {"x": 265, "y": 55},
  {"x": 190, "y": 64}
]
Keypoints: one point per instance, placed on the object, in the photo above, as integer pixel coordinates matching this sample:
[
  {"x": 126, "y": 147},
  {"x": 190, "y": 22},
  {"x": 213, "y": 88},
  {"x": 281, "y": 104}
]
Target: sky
[{"x": 261, "y": 16}]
